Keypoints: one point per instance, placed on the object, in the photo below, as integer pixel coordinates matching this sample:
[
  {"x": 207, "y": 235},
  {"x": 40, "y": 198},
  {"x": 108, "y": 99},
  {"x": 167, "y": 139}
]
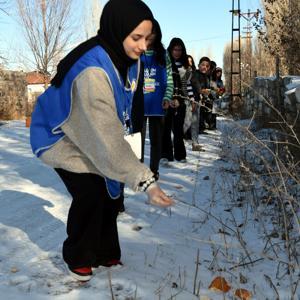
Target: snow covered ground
[{"x": 159, "y": 246}]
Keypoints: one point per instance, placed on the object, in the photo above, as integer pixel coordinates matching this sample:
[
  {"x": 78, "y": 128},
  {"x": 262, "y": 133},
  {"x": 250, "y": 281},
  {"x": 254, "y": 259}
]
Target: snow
[
  {"x": 293, "y": 81},
  {"x": 159, "y": 246}
]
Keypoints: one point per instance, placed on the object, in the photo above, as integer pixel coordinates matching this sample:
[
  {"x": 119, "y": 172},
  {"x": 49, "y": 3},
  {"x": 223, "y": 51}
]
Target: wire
[{"x": 205, "y": 39}]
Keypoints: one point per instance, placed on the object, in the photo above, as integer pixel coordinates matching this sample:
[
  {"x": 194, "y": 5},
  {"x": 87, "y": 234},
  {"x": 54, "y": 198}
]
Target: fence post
[{"x": 279, "y": 100}]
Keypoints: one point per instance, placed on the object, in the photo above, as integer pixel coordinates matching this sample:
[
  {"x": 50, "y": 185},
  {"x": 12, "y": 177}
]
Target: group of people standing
[
  {"x": 178, "y": 99},
  {"x": 84, "y": 125}
]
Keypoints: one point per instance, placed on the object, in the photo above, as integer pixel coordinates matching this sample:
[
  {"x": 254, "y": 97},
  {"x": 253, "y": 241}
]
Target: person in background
[
  {"x": 212, "y": 68},
  {"x": 79, "y": 127},
  {"x": 217, "y": 82},
  {"x": 217, "y": 90},
  {"x": 191, "y": 62},
  {"x": 201, "y": 84},
  {"x": 158, "y": 92},
  {"x": 175, "y": 114},
  {"x": 189, "y": 106},
  {"x": 210, "y": 118}
]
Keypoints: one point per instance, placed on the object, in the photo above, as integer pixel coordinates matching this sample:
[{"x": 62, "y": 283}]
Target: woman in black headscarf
[{"x": 78, "y": 128}]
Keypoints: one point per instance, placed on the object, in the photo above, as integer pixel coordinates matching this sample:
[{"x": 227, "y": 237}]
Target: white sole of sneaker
[
  {"x": 80, "y": 277},
  {"x": 77, "y": 276}
]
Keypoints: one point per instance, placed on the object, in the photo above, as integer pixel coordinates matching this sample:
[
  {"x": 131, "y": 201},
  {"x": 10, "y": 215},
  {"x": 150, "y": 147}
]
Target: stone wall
[
  {"x": 283, "y": 94},
  {"x": 13, "y": 95}
]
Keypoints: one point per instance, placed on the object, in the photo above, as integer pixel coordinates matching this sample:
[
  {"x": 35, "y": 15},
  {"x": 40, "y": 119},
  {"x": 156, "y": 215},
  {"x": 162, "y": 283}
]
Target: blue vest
[
  {"x": 54, "y": 106},
  {"x": 155, "y": 84}
]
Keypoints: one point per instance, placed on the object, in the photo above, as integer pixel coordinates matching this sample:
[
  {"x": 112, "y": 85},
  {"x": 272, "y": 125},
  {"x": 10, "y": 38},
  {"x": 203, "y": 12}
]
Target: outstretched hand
[{"x": 157, "y": 196}]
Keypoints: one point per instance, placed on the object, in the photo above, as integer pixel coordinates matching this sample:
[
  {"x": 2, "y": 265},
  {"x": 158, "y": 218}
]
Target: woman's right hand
[
  {"x": 205, "y": 92},
  {"x": 157, "y": 196},
  {"x": 166, "y": 104}
]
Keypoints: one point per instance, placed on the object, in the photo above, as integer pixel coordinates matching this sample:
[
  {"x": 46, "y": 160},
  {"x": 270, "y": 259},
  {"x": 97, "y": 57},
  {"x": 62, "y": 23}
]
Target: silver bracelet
[{"x": 145, "y": 184}]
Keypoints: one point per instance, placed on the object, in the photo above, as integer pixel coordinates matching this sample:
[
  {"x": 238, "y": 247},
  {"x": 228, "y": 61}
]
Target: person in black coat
[{"x": 175, "y": 114}]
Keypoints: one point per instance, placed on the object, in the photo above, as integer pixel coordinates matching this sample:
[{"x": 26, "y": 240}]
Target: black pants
[
  {"x": 205, "y": 118},
  {"x": 92, "y": 221},
  {"x": 156, "y": 125},
  {"x": 174, "y": 121},
  {"x": 202, "y": 116}
]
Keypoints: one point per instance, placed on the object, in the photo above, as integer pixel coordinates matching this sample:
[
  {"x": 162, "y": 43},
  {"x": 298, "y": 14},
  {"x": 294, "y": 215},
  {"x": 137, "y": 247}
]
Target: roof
[{"x": 36, "y": 77}]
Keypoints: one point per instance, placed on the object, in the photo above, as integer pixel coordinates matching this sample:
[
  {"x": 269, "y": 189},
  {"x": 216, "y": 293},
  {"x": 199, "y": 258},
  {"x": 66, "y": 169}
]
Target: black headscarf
[
  {"x": 119, "y": 18},
  {"x": 157, "y": 46}
]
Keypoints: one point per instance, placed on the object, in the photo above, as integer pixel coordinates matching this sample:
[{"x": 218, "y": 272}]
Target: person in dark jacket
[
  {"x": 175, "y": 114},
  {"x": 201, "y": 85}
]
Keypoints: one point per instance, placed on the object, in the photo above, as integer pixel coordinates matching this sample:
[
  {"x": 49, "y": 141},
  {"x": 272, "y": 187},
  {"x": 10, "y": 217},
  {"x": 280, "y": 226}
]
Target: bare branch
[{"x": 47, "y": 29}]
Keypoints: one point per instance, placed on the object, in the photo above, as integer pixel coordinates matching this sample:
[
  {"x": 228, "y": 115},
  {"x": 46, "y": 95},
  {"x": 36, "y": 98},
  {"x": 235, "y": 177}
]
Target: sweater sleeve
[
  {"x": 189, "y": 86},
  {"x": 195, "y": 81},
  {"x": 94, "y": 127},
  {"x": 170, "y": 84}
]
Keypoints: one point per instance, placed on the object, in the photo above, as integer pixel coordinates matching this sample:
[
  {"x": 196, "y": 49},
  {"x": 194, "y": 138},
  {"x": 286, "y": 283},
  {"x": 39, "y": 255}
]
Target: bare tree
[
  {"x": 3, "y": 10},
  {"x": 280, "y": 32},
  {"x": 3, "y": 7},
  {"x": 93, "y": 12},
  {"x": 46, "y": 24},
  {"x": 263, "y": 63}
]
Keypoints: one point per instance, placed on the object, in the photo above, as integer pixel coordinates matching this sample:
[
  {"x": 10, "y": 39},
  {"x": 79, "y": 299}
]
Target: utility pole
[
  {"x": 236, "y": 62},
  {"x": 248, "y": 36},
  {"x": 235, "y": 68}
]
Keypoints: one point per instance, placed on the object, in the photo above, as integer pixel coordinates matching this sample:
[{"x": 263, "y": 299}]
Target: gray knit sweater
[{"x": 94, "y": 136}]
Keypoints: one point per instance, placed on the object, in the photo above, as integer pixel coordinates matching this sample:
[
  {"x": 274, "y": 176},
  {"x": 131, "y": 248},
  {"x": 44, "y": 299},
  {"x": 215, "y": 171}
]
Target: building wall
[{"x": 34, "y": 90}]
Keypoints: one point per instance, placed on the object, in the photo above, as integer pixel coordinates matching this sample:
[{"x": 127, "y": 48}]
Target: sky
[
  {"x": 204, "y": 25},
  {"x": 159, "y": 246}
]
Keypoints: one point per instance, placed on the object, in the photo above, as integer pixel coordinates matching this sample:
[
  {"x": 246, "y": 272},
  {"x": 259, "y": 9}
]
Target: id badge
[
  {"x": 135, "y": 142},
  {"x": 149, "y": 85}
]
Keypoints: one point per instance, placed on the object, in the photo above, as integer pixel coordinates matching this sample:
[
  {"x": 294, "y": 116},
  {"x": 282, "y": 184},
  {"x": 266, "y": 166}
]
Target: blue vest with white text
[
  {"x": 54, "y": 106},
  {"x": 155, "y": 84}
]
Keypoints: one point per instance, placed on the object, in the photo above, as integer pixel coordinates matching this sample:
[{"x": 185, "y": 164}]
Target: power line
[
  {"x": 249, "y": 16},
  {"x": 205, "y": 39}
]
